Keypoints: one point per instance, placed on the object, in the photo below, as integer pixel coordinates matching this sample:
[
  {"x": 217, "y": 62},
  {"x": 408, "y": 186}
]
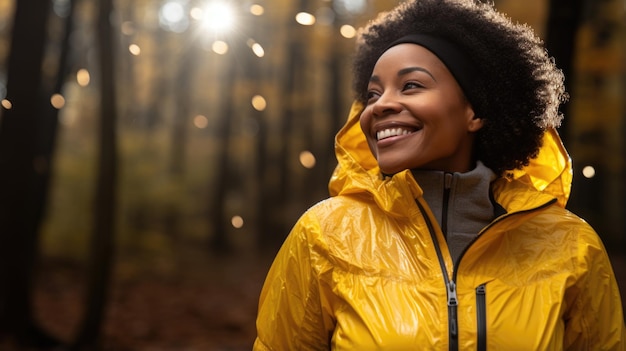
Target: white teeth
[{"x": 386, "y": 133}]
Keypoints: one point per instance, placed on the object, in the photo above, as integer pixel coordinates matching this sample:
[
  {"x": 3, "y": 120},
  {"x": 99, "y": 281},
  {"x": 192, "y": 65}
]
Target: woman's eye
[
  {"x": 371, "y": 95},
  {"x": 412, "y": 85}
]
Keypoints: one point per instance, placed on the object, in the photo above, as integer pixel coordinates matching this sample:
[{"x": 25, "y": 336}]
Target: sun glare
[{"x": 218, "y": 17}]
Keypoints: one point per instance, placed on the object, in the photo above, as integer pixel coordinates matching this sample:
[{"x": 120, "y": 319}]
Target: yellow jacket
[{"x": 369, "y": 269}]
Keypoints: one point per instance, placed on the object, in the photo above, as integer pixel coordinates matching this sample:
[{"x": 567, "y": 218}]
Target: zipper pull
[
  {"x": 452, "y": 299},
  {"x": 452, "y": 317}
]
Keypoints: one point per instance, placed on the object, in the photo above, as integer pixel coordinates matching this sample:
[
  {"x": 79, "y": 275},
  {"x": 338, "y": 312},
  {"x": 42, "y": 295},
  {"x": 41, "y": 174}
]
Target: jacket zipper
[
  {"x": 453, "y": 332},
  {"x": 481, "y": 318},
  {"x": 447, "y": 184}
]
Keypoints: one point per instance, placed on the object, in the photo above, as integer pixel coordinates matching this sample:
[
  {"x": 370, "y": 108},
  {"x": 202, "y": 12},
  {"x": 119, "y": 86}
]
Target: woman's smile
[{"x": 391, "y": 132}]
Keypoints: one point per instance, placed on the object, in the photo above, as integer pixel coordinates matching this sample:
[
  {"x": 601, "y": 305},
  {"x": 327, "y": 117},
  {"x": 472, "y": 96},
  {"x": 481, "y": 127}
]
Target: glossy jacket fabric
[{"x": 368, "y": 268}]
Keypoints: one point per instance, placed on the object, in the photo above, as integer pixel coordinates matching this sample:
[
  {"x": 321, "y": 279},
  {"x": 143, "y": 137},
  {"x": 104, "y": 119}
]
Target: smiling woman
[
  {"x": 446, "y": 226},
  {"x": 416, "y": 114}
]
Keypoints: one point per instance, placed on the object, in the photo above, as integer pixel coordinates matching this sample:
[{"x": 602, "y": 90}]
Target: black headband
[{"x": 457, "y": 62}]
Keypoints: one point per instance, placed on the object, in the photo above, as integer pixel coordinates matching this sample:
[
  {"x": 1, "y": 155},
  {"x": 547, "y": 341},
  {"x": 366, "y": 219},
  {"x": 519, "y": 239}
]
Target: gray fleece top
[{"x": 460, "y": 201}]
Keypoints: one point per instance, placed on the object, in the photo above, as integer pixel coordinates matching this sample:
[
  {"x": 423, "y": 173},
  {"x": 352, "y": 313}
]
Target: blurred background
[{"x": 154, "y": 154}]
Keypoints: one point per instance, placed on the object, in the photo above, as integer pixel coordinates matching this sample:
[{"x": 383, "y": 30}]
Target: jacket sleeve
[
  {"x": 595, "y": 319},
  {"x": 291, "y": 314}
]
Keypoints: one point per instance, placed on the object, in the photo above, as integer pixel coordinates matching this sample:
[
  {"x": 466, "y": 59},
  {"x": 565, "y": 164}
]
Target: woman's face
[{"x": 416, "y": 116}]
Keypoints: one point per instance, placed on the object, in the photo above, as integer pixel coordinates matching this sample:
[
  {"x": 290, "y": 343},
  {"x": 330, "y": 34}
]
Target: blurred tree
[
  {"x": 597, "y": 111},
  {"x": 338, "y": 109},
  {"x": 271, "y": 160},
  {"x": 338, "y": 112},
  {"x": 219, "y": 241},
  {"x": 26, "y": 140},
  {"x": 187, "y": 68},
  {"x": 273, "y": 225},
  {"x": 102, "y": 242},
  {"x": 563, "y": 23}
]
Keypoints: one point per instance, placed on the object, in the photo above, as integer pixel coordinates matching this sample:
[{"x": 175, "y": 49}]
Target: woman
[{"x": 446, "y": 226}]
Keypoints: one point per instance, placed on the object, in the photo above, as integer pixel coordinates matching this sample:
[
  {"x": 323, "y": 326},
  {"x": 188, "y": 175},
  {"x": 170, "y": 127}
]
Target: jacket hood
[{"x": 357, "y": 170}]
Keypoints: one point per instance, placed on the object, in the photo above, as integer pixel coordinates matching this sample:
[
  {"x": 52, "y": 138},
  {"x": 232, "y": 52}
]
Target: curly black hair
[{"x": 518, "y": 89}]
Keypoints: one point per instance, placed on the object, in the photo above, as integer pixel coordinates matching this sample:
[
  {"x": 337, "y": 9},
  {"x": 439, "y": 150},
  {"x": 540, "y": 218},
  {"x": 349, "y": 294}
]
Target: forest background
[{"x": 154, "y": 154}]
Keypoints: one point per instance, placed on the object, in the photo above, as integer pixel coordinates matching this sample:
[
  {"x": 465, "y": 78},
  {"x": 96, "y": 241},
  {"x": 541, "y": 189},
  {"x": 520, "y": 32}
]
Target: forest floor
[
  {"x": 200, "y": 303},
  {"x": 204, "y": 304}
]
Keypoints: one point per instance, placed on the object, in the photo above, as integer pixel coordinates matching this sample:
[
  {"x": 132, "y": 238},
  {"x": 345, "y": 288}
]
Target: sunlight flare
[{"x": 218, "y": 17}]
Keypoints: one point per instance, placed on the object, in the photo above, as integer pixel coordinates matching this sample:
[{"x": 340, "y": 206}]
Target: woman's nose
[{"x": 386, "y": 103}]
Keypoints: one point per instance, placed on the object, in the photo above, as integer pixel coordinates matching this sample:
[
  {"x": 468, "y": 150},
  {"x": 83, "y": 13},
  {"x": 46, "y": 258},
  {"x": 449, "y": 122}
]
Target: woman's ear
[{"x": 474, "y": 123}]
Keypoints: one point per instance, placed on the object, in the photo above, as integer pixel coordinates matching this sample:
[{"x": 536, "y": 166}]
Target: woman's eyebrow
[
  {"x": 413, "y": 69},
  {"x": 404, "y": 71}
]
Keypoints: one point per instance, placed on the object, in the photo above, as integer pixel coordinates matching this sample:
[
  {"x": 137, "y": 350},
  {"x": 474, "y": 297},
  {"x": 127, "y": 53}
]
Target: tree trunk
[
  {"x": 564, "y": 19},
  {"x": 219, "y": 242},
  {"x": 186, "y": 70},
  {"x": 102, "y": 243},
  {"x": 275, "y": 227},
  {"x": 22, "y": 174},
  {"x": 338, "y": 113}
]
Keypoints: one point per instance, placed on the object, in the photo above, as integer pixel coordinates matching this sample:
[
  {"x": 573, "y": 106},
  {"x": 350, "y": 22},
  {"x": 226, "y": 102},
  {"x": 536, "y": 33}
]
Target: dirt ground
[{"x": 206, "y": 304}]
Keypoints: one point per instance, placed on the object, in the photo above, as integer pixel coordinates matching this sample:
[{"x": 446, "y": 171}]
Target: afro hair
[{"x": 518, "y": 88}]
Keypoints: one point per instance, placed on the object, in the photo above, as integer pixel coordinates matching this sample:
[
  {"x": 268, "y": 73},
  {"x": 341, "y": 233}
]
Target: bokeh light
[
  {"x": 57, "y": 101},
  {"x": 7, "y": 104},
  {"x": 589, "y": 171},
  {"x": 200, "y": 121},
  {"x": 219, "y": 47},
  {"x": 347, "y": 31},
  {"x": 196, "y": 13},
  {"x": 134, "y": 49},
  {"x": 259, "y": 103},
  {"x": 307, "y": 159},
  {"x": 237, "y": 221},
  {"x": 257, "y": 9},
  {"x": 257, "y": 49},
  {"x": 305, "y": 19},
  {"x": 83, "y": 77},
  {"x": 172, "y": 16}
]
